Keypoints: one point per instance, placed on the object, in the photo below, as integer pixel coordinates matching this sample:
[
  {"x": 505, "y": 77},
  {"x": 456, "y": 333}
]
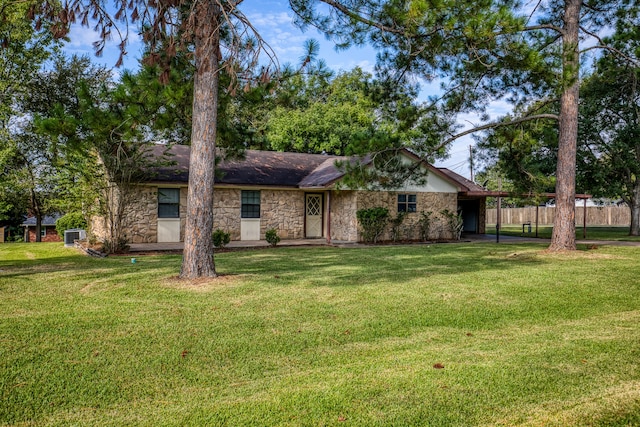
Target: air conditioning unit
[{"x": 70, "y": 236}]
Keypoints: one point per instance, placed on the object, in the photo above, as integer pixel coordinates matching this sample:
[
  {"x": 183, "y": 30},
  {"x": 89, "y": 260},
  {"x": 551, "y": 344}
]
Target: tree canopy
[{"x": 484, "y": 51}]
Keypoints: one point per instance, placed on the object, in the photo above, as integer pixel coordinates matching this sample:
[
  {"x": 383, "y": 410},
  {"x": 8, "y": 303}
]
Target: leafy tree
[
  {"x": 327, "y": 121},
  {"x": 36, "y": 160},
  {"x": 81, "y": 140},
  {"x": 70, "y": 221},
  {"x": 64, "y": 177},
  {"x": 23, "y": 50},
  {"x": 524, "y": 155},
  {"x": 488, "y": 50},
  {"x": 610, "y": 134}
]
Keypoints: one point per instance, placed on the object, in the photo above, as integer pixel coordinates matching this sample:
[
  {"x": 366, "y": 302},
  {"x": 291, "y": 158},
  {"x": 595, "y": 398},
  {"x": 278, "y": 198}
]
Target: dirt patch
[
  {"x": 204, "y": 284},
  {"x": 591, "y": 253}
]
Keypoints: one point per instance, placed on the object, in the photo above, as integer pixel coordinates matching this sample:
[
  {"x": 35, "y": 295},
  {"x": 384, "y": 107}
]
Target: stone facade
[
  {"x": 345, "y": 204},
  {"x": 284, "y": 210},
  {"x": 141, "y": 216},
  {"x": 226, "y": 207},
  {"x": 344, "y": 225},
  {"x": 279, "y": 209},
  {"x": 482, "y": 221}
]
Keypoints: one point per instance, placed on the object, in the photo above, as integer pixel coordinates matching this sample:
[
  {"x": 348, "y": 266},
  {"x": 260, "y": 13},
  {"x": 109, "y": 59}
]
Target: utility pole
[{"x": 471, "y": 161}]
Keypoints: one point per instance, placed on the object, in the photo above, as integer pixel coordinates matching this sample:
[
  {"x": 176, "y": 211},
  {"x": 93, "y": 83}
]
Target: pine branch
[
  {"x": 495, "y": 125},
  {"x": 345, "y": 10}
]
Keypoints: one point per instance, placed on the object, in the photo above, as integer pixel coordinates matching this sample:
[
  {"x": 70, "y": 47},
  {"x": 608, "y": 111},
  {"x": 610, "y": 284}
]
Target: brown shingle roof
[
  {"x": 281, "y": 169},
  {"x": 464, "y": 184},
  {"x": 259, "y": 168}
]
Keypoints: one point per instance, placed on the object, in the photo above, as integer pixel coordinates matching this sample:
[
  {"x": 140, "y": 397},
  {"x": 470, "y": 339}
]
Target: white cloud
[{"x": 81, "y": 41}]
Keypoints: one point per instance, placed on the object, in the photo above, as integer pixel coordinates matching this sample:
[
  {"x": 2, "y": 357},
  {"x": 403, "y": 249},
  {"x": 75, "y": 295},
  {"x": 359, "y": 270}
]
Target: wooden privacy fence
[{"x": 596, "y": 215}]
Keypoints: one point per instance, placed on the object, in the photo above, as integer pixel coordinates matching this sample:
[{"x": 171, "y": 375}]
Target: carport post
[
  {"x": 498, "y": 220},
  {"x": 584, "y": 220}
]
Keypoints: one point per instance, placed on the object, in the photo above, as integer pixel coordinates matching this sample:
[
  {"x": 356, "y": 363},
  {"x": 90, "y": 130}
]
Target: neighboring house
[
  {"x": 297, "y": 194},
  {"x": 48, "y": 231}
]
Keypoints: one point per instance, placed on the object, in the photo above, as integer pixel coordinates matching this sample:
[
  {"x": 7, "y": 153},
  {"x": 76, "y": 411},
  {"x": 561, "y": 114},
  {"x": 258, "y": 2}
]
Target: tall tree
[
  {"x": 220, "y": 37},
  {"x": 42, "y": 160},
  {"x": 488, "y": 50},
  {"x": 609, "y": 149},
  {"x": 23, "y": 50}
]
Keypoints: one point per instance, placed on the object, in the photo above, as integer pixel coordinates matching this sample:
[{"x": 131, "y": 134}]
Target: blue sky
[{"x": 273, "y": 19}]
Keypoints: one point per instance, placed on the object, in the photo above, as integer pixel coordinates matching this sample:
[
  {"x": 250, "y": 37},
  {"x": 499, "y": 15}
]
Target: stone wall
[
  {"x": 344, "y": 226},
  {"x": 226, "y": 211},
  {"x": 279, "y": 209},
  {"x": 426, "y": 202},
  {"x": 345, "y": 204},
  {"x": 482, "y": 226},
  {"x": 283, "y": 210},
  {"x": 141, "y": 215}
]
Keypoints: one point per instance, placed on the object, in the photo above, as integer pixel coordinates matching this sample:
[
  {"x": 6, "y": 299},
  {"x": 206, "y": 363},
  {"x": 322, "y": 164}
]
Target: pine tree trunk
[
  {"x": 197, "y": 259},
  {"x": 564, "y": 225},
  {"x": 634, "y": 205}
]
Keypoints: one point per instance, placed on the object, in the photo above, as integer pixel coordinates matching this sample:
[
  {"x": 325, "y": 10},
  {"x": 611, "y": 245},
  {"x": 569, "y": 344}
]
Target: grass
[
  {"x": 439, "y": 335},
  {"x": 544, "y": 232}
]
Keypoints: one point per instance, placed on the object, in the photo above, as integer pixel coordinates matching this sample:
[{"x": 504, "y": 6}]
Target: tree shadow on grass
[{"x": 396, "y": 264}]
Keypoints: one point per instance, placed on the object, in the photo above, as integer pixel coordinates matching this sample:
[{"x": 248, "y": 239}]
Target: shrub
[
  {"x": 69, "y": 221},
  {"x": 221, "y": 238},
  {"x": 454, "y": 223},
  {"x": 116, "y": 246},
  {"x": 373, "y": 222},
  {"x": 271, "y": 236},
  {"x": 424, "y": 225},
  {"x": 396, "y": 226}
]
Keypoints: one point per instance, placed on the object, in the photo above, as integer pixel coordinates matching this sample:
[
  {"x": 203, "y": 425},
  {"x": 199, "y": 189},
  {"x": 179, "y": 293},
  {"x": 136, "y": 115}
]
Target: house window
[
  {"x": 250, "y": 204},
  {"x": 168, "y": 203},
  {"x": 43, "y": 231},
  {"x": 407, "y": 202}
]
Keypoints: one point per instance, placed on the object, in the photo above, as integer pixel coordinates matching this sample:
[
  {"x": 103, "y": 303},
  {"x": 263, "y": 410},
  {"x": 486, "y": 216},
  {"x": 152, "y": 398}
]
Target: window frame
[
  {"x": 175, "y": 214},
  {"x": 249, "y": 209},
  {"x": 407, "y": 202}
]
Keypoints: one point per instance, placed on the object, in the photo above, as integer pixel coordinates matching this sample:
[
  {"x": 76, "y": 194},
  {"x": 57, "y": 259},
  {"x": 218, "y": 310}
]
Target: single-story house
[
  {"x": 297, "y": 194},
  {"x": 48, "y": 231}
]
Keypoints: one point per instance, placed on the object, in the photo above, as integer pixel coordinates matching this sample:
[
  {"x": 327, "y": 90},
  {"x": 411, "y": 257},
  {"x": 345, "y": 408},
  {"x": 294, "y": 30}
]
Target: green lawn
[
  {"x": 544, "y": 232},
  {"x": 439, "y": 335}
]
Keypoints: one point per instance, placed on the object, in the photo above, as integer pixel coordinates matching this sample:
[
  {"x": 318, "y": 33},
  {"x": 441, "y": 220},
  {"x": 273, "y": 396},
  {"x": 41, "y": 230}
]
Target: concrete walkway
[
  {"x": 247, "y": 244},
  {"x": 236, "y": 244},
  {"x": 515, "y": 239}
]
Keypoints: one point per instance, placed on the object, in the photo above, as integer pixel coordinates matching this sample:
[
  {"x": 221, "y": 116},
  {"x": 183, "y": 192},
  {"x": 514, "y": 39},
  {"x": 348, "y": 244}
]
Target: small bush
[
  {"x": 396, "y": 226},
  {"x": 271, "y": 236},
  {"x": 454, "y": 223},
  {"x": 221, "y": 238},
  {"x": 373, "y": 222},
  {"x": 424, "y": 225},
  {"x": 116, "y": 246},
  {"x": 69, "y": 221}
]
